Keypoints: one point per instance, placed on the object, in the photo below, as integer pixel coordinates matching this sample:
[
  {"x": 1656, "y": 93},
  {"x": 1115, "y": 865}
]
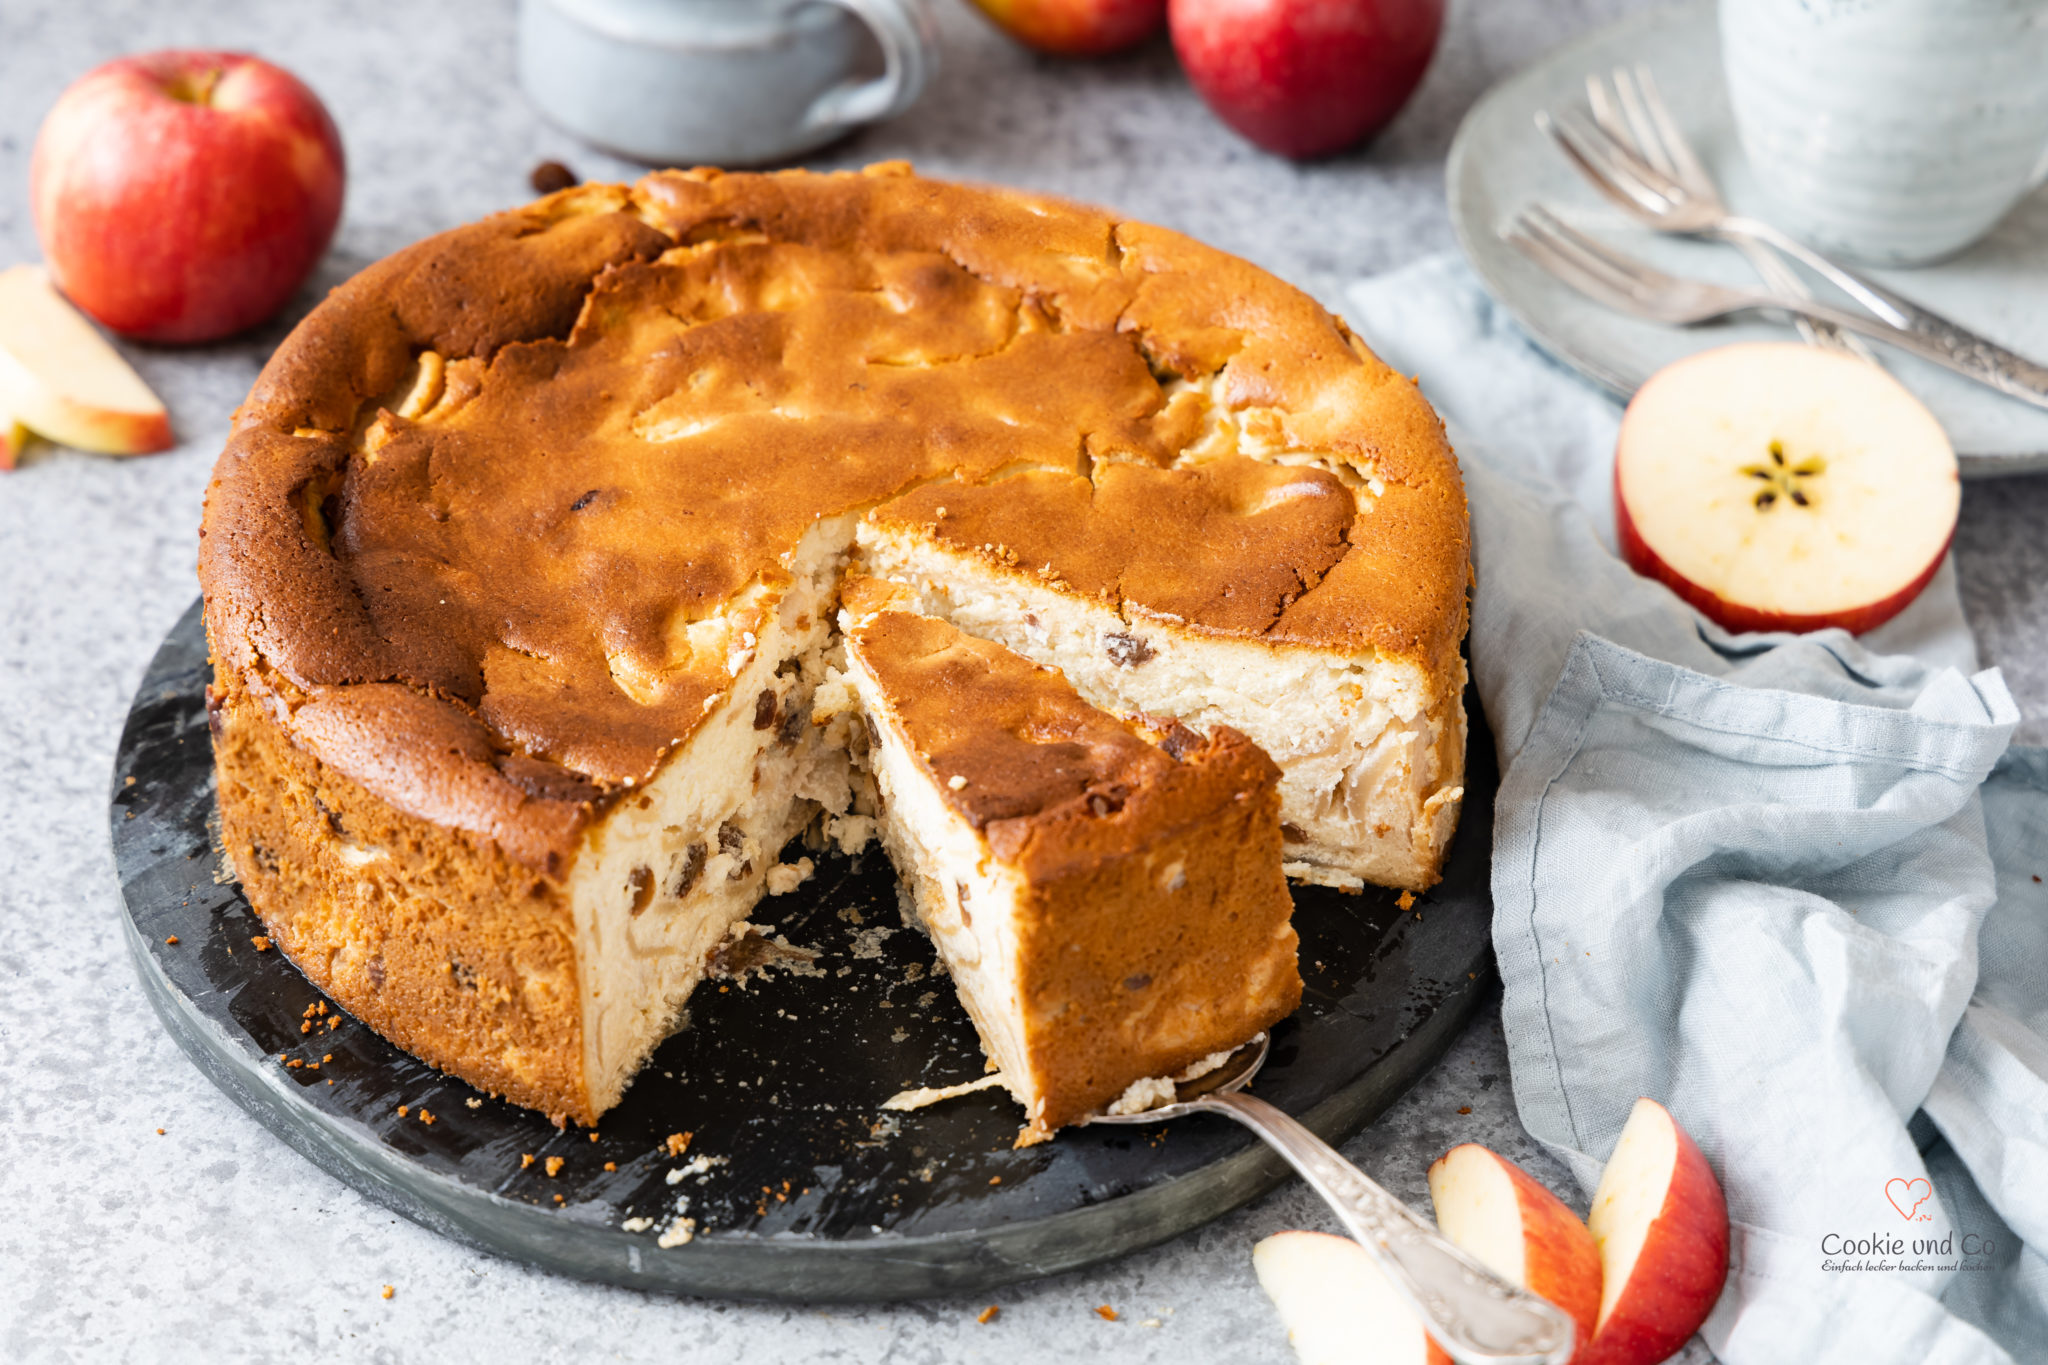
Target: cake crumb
[
  {"x": 784, "y": 878},
  {"x": 611, "y": 1165},
  {"x": 262, "y": 942},
  {"x": 1464, "y": 1108},
  {"x": 636, "y": 1225},
  {"x": 904, "y": 1100},
  {"x": 1406, "y": 900},
  {"x": 404, "y": 1109},
  {"x": 1106, "y": 1313},
  {"x": 1150, "y": 1322},
  {"x": 678, "y": 1143},
  {"x": 172, "y": 939},
  {"x": 680, "y": 1233},
  {"x": 525, "y": 1160},
  {"x": 995, "y": 1180},
  {"x": 554, "y": 1166},
  {"x": 389, "y": 1291},
  {"x": 159, "y": 1132},
  {"x": 956, "y": 782},
  {"x": 473, "y": 1102},
  {"x": 426, "y": 1118},
  {"x": 593, "y": 1137},
  {"x": 988, "y": 1314}
]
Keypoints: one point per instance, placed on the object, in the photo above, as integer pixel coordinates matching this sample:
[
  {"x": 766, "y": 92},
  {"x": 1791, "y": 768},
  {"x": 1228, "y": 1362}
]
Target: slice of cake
[
  {"x": 1220, "y": 592},
  {"x": 1107, "y": 896}
]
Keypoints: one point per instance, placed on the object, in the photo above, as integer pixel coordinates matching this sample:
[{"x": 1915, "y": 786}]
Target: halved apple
[
  {"x": 1777, "y": 486},
  {"x": 62, "y": 380},
  {"x": 1338, "y": 1306},
  {"x": 1518, "y": 1229},
  {"x": 1661, "y": 1223}
]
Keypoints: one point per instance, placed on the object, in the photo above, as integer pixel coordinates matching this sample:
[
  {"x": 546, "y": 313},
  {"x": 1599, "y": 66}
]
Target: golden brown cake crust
[
  {"x": 650, "y": 394},
  {"x": 424, "y": 932}
]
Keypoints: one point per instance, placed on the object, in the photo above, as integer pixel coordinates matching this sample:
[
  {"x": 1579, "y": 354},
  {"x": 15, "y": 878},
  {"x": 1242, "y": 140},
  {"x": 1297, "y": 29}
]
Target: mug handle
[{"x": 910, "y": 47}]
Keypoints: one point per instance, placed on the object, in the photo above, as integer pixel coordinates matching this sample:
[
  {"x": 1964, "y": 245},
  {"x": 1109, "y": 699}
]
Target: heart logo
[{"x": 1908, "y": 1195}]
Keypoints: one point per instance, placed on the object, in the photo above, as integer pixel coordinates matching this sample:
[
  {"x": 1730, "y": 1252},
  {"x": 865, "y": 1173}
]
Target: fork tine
[
  {"x": 1539, "y": 223},
  {"x": 1602, "y": 104},
  {"x": 1602, "y": 146},
  {"x": 1628, "y": 267},
  {"x": 1649, "y": 143},
  {"x": 1611, "y": 178},
  {"x": 1566, "y": 270},
  {"x": 1685, "y": 163}
]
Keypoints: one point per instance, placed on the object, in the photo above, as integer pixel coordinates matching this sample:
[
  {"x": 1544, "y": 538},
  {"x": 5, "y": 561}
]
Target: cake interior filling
[
  {"x": 670, "y": 870},
  {"x": 962, "y": 898},
  {"x": 1356, "y": 738}
]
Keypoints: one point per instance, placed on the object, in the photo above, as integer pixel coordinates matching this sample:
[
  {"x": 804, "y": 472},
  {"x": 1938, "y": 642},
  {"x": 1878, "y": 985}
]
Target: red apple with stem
[
  {"x": 1776, "y": 486},
  {"x": 1305, "y": 78},
  {"x": 182, "y": 196},
  {"x": 1077, "y": 28}
]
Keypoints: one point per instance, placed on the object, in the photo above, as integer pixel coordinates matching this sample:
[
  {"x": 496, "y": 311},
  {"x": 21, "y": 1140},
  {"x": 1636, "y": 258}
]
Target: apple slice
[
  {"x": 62, "y": 380},
  {"x": 1338, "y": 1306},
  {"x": 1662, "y": 1228},
  {"x": 1777, "y": 486},
  {"x": 13, "y": 436},
  {"x": 1518, "y": 1229}
]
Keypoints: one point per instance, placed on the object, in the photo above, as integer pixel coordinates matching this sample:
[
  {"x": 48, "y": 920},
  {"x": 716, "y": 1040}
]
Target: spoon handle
[{"x": 1473, "y": 1314}]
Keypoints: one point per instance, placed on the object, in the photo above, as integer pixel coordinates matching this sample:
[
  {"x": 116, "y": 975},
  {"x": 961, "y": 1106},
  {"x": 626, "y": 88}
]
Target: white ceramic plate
[{"x": 1501, "y": 161}]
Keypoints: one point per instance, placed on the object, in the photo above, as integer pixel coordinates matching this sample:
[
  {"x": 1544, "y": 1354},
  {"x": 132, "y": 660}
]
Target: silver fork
[
  {"x": 1666, "y": 202},
  {"x": 1475, "y": 1315},
  {"x": 1628, "y": 105},
  {"x": 1628, "y": 285}
]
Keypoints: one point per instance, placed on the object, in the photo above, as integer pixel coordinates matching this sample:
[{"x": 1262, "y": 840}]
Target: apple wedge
[
  {"x": 1519, "y": 1230},
  {"x": 62, "y": 380},
  {"x": 13, "y": 436},
  {"x": 1662, "y": 1227},
  {"x": 1338, "y": 1306},
  {"x": 1776, "y": 486}
]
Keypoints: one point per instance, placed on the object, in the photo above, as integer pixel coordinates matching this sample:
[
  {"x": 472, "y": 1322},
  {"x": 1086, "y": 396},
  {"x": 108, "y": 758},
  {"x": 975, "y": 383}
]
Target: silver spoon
[{"x": 1475, "y": 1315}]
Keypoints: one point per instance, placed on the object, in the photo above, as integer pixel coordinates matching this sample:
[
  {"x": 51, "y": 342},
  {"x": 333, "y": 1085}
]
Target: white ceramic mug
[
  {"x": 1896, "y": 132},
  {"x": 719, "y": 82}
]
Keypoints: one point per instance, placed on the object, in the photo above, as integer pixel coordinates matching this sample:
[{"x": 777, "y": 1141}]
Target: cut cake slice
[{"x": 1107, "y": 896}]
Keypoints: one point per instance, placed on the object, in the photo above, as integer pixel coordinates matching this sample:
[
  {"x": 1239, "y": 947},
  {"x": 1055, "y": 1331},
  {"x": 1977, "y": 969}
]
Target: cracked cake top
[{"x": 497, "y": 523}]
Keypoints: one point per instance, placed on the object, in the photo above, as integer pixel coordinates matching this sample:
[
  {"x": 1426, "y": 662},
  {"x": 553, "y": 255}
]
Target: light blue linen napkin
[{"x": 1749, "y": 876}]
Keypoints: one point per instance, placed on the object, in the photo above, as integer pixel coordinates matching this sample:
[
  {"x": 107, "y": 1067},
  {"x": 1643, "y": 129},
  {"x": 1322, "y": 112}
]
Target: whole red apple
[
  {"x": 1305, "y": 78},
  {"x": 1077, "y": 28},
  {"x": 183, "y": 196}
]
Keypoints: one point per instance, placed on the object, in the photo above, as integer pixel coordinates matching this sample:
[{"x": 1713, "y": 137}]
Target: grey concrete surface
[{"x": 213, "y": 1242}]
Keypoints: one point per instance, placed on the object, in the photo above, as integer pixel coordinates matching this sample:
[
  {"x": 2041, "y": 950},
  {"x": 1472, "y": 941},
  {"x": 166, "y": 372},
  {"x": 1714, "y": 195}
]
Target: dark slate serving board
[{"x": 819, "y": 1195}]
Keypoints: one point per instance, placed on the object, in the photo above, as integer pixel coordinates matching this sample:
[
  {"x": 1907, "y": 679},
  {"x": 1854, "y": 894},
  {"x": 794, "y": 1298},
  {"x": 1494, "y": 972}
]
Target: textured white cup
[{"x": 1896, "y": 132}]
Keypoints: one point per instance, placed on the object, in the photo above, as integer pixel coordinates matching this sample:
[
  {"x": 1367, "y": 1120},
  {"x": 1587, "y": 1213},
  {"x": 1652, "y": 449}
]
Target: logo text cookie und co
[{"x": 1891, "y": 1251}]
